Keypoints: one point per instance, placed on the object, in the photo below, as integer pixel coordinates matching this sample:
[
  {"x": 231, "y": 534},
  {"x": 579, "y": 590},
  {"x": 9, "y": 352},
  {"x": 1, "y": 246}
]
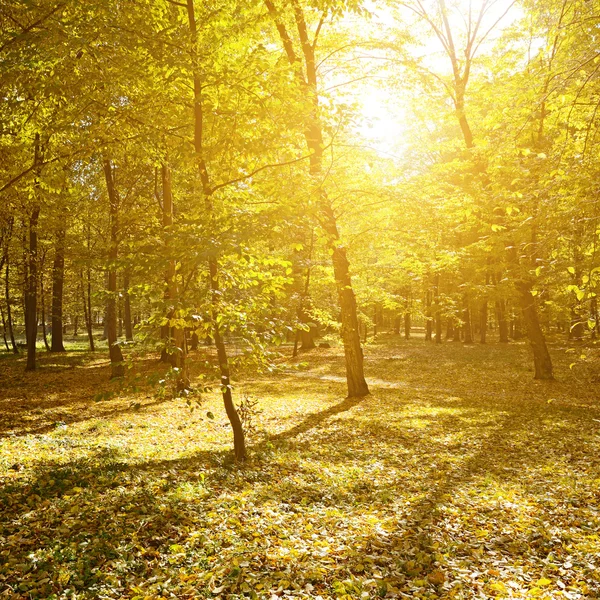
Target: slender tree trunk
[
  {"x": 307, "y": 338},
  {"x": 375, "y": 320},
  {"x": 594, "y": 316},
  {"x": 541, "y": 357},
  {"x": 9, "y": 321},
  {"x": 31, "y": 269},
  {"x": 119, "y": 317},
  {"x": 87, "y": 312},
  {"x": 58, "y": 278},
  {"x": 178, "y": 357},
  {"x": 4, "y": 329},
  {"x": 116, "y": 356},
  {"x": 239, "y": 444},
  {"x": 428, "y": 317},
  {"x": 43, "y": 310},
  {"x": 127, "y": 307},
  {"x": 468, "y": 331},
  {"x": 438, "y": 310},
  {"x": 407, "y": 325}
]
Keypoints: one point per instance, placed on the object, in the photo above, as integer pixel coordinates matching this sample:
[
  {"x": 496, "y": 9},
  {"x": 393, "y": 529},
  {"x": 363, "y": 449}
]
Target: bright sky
[{"x": 385, "y": 112}]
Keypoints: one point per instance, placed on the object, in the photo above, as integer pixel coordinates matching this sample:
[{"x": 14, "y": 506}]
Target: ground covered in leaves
[{"x": 459, "y": 477}]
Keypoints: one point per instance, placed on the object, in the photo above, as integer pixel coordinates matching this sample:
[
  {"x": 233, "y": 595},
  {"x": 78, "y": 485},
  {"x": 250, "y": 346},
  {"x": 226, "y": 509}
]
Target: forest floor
[{"x": 458, "y": 477}]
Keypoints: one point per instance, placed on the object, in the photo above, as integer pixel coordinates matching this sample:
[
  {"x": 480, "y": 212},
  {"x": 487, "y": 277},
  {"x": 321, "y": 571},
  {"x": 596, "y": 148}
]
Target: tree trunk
[
  {"x": 502, "y": 322},
  {"x": 178, "y": 357},
  {"x": 407, "y": 325},
  {"x": 9, "y": 321},
  {"x": 468, "y": 332},
  {"x": 450, "y": 328},
  {"x": 594, "y": 316},
  {"x": 355, "y": 378},
  {"x": 119, "y": 317},
  {"x": 116, "y": 356},
  {"x": 438, "y": 309},
  {"x": 31, "y": 268},
  {"x": 87, "y": 312},
  {"x": 58, "y": 278},
  {"x": 43, "y": 307},
  {"x": 428, "y": 317},
  {"x": 541, "y": 357},
  {"x": 127, "y": 307},
  {"x": 313, "y": 133},
  {"x": 239, "y": 445},
  {"x": 4, "y": 329},
  {"x": 483, "y": 321}
]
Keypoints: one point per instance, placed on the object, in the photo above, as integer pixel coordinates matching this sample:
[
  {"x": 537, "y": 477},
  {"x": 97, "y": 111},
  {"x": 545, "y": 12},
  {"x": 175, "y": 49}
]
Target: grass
[{"x": 459, "y": 477}]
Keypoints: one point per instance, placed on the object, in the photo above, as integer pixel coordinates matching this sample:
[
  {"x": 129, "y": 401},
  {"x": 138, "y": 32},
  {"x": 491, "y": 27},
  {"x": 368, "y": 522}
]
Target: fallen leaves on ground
[{"x": 456, "y": 478}]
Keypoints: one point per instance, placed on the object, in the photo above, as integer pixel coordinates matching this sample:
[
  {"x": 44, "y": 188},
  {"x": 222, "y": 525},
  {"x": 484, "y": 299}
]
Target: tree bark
[
  {"x": 428, "y": 317},
  {"x": 239, "y": 444},
  {"x": 541, "y": 357},
  {"x": 353, "y": 354},
  {"x": 467, "y": 330},
  {"x": 407, "y": 325},
  {"x": 9, "y": 320},
  {"x": 483, "y": 321},
  {"x": 58, "y": 278},
  {"x": 502, "y": 321},
  {"x": 4, "y": 329},
  {"x": 178, "y": 357},
  {"x": 116, "y": 356},
  {"x": 127, "y": 307},
  {"x": 87, "y": 312},
  {"x": 438, "y": 309},
  {"x": 31, "y": 268},
  {"x": 43, "y": 309},
  {"x": 450, "y": 328}
]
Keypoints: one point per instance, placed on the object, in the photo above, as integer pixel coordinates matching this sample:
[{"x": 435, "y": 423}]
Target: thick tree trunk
[
  {"x": 541, "y": 357},
  {"x": 58, "y": 278},
  {"x": 407, "y": 325},
  {"x": 357, "y": 386},
  {"x": 355, "y": 377},
  {"x": 458, "y": 329},
  {"x": 9, "y": 321},
  {"x": 116, "y": 356}
]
